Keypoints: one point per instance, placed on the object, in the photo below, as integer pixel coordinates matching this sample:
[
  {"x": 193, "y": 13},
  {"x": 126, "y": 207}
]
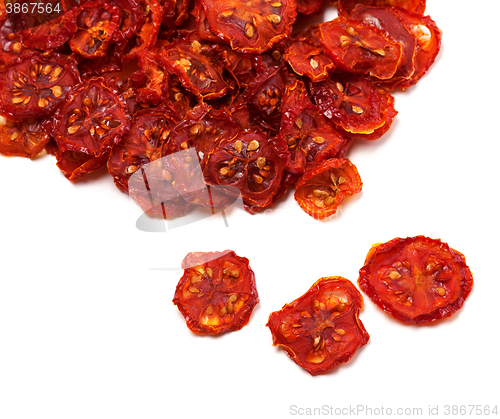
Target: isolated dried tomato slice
[
  {"x": 141, "y": 145},
  {"x": 321, "y": 329},
  {"x": 217, "y": 292},
  {"x": 34, "y": 85},
  {"x": 387, "y": 20},
  {"x": 346, "y": 7},
  {"x": 197, "y": 69},
  {"x": 75, "y": 164},
  {"x": 98, "y": 24},
  {"x": 307, "y": 57},
  {"x": 355, "y": 105},
  {"x": 306, "y": 138},
  {"x": 25, "y": 139},
  {"x": 362, "y": 50},
  {"x": 249, "y": 163},
  {"x": 321, "y": 190},
  {"x": 253, "y": 26},
  {"x": 416, "y": 279},
  {"x": 428, "y": 42},
  {"x": 92, "y": 119}
]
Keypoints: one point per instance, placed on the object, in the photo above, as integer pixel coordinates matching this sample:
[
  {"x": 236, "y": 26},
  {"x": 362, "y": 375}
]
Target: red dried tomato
[
  {"x": 416, "y": 279},
  {"x": 306, "y": 55},
  {"x": 217, "y": 292},
  {"x": 321, "y": 190},
  {"x": 249, "y": 163},
  {"x": 321, "y": 329},
  {"x": 253, "y": 26},
  {"x": 355, "y": 105},
  {"x": 346, "y": 7},
  {"x": 24, "y": 139},
  {"x": 306, "y": 138},
  {"x": 362, "y": 50},
  {"x": 34, "y": 85},
  {"x": 309, "y": 7},
  {"x": 75, "y": 164},
  {"x": 92, "y": 119}
]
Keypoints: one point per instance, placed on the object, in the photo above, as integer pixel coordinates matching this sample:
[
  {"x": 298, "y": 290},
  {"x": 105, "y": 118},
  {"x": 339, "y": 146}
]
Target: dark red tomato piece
[
  {"x": 25, "y": 139},
  {"x": 307, "y": 57},
  {"x": 239, "y": 64},
  {"x": 306, "y": 138},
  {"x": 196, "y": 68},
  {"x": 321, "y": 190},
  {"x": 141, "y": 145},
  {"x": 361, "y": 50},
  {"x": 249, "y": 163},
  {"x": 355, "y": 105},
  {"x": 92, "y": 119},
  {"x": 34, "y": 85},
  {"x": 98, "y": 25},
  {"x": 428, "y": 42},
  {"x": 217, "y": 292},
  {"x": 416, "y": 279},
  {"x": 75, "y": 164},
  {"x": 253, "y": 26},
  {"x": 311, "y": 7},
  {"x": 346, "y": 7},
  {"x": 387, "y": 20},
  {"x": 321, "y": 329}
]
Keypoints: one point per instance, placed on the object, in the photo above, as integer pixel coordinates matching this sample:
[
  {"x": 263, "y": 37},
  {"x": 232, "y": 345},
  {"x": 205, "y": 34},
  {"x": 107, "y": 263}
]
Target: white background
[{"x": 88, "y": 329}]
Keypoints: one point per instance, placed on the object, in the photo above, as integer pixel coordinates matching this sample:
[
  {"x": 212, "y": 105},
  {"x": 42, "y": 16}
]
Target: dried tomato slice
[
  {"x": 141, "y": 145},
  {"x": 355, "y": 105},
  {"x": 98, "y": 24},
  {"x": 428, "y": 42},
  {"x": 92, "y": 119},
  {"x": 217, "y": 292},
  {"x": 75, "y": 164},
  {"x": 309, "y": 7},
  {"x": 249, "y": 163},
  {"x": 321, "y": 190},
  {"x": 34, "y": 85},
  {"x": 346, "y": 7},
  {"x": 362, "y": 50},
  {"x": 24, "y": 139},
  {"x": 306, "y": 138},
  {"x": 253, "y": 26},
  {"x": 307, "y": 57},
  {"x": 321, "y": 329},
  {"x": 416, "y": 279}
]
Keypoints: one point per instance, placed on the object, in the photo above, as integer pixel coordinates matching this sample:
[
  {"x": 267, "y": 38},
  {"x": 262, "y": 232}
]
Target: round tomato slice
[
  {"x": 75, "y": 164},
  {"x": 34, "y": 85},
  {"x": 253, "y": 26},
  {"x": 416, "y": 279},
  {"x": 321, "y": 329},
  {"x": 24, "y": 139},
  {"x": 217, "y": 292},
  {"x": 92, "y": 119},
  {"x": 321, "y": 190}
]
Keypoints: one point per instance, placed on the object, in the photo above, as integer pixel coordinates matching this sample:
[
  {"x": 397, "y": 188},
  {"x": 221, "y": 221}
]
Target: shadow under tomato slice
[
  {"x": 416, "y": 279},
  {"x": 321, "y": 329},
  {"x": 217, "y": 292}
]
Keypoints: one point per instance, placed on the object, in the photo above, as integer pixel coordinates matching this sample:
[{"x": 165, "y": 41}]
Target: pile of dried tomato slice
[{"x": 123, "y": 83}]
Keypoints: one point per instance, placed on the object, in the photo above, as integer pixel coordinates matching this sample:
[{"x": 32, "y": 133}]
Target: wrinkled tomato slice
[
  {"x": 416, "y": 279},
  {"x": 321, "y": 190},
  {"x": 75, "y": 164},
  {"x": 355, "y": 105},
  {"x": 346, "y": 7},
  {"x": 249, "y": 163},
  {"x": 306, "y": 138},
  {"x": 217, "y": 292},
  {"x": 92, "y": 119},
  {"x": 307, "y": 57},
  {"x": 321, "y": 329},
  {"x": 24, "y": 139},
  {"x": 253, "y": 26},
  {"x": 309, "y": 7},
  {"x": 359, "y": 49},
  {"x": 98, "y": 24},
  {"x": 34, "y": 85}
]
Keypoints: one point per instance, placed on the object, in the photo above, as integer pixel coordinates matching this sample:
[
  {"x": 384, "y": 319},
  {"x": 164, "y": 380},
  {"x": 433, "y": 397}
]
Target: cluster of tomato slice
[
  {"x": 123, "y": 83},
  {"x": 416, "y": 279}
]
